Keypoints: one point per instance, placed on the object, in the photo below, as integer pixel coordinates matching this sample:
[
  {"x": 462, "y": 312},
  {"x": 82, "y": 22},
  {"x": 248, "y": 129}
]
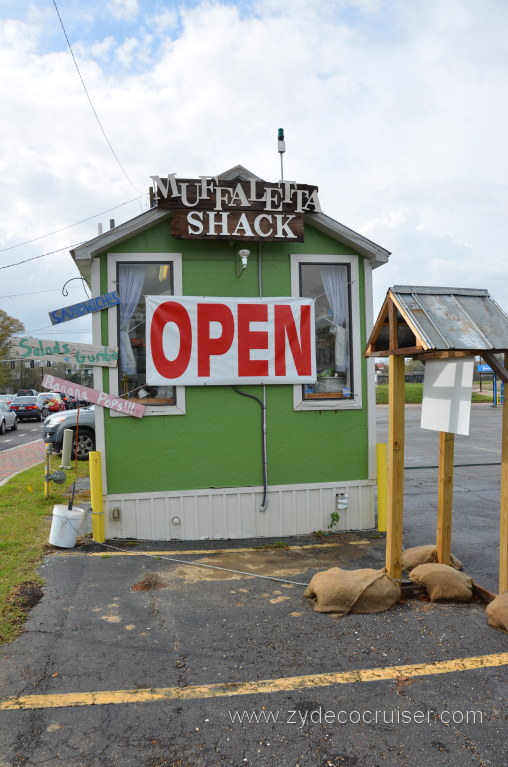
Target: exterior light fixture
[{"x": 244, "y": 255}]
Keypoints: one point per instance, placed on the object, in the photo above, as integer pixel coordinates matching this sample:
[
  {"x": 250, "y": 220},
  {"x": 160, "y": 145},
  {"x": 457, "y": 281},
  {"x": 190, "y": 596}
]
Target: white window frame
[
  {"x": 355, "y": 402},
  {"x": 139, "y": 258}
]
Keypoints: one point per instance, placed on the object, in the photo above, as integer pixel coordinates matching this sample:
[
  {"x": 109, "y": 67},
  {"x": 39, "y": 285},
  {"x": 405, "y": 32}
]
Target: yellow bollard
[
  {"x": 98, "y": 527},
  {"x": 381, "y": 486}
]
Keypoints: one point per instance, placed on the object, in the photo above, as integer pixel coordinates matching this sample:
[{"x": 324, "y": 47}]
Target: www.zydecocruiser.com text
[{"x": 302, "y": 718}]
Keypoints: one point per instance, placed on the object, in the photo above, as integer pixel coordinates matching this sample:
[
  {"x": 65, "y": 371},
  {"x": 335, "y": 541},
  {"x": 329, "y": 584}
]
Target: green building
[{"x": 205, "y": 461}]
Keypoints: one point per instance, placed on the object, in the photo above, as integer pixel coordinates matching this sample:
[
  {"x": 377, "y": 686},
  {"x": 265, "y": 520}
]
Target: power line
[
  {"x": 34, "y": 258},
  {"x": 49, "y": 329},
  {"x": 92, "y": 106},
  {"x": 63, "y": 229},
  {"x": 35, "y": 293}
]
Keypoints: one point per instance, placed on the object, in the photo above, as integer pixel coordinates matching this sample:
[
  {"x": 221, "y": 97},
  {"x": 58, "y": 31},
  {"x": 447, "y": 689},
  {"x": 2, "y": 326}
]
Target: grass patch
[
  {"x": 477, "y": 397},
  {"x": 414, "y": 394},
  {"x": 25, "y": 521}
]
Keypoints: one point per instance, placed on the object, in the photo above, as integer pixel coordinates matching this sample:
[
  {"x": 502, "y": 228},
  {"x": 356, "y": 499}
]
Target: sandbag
[
  {"x": 443, "y": 582},
  {"x": 422, "y": 555},
  {"x": 497, "y": 612},
  {"x": 340, "y": 591}
]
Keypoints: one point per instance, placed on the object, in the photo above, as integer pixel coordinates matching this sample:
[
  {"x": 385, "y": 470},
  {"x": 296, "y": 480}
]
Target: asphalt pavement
[{"x": 143, "y": 660}]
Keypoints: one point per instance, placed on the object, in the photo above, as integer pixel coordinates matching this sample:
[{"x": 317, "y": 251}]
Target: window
[
  {"x": 328, "y": 285},
  {"x": 333, "y": 282},
  {"x": 137, "y": 276},
  {"x": 135, "y": 281}
]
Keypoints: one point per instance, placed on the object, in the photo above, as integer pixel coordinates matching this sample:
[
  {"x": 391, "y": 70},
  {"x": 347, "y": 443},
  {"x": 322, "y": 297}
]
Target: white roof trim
[
  {"x": 84, "y": 253},
  {"x": 375, "y": 253},
  {"x": 120, "y": 233},
  {"x": 238, "y": 172}
]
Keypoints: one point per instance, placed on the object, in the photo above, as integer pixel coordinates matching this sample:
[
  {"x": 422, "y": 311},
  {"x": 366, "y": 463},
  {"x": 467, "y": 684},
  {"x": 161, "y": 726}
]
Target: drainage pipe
[
  {"x": 265, "y": 459},
  {"x": 262, "y": 405}
]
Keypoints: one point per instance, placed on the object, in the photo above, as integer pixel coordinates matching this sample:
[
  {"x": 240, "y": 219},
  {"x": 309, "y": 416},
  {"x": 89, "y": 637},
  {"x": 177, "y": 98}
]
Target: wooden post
[
  {"x": 503, "y": 517},
  {"x": 395, "y": 504},
  {"x": 445, "y": 497}
]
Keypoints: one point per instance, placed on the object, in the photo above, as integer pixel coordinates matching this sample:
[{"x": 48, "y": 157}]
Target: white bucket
[{"x": 66, "y": 526}]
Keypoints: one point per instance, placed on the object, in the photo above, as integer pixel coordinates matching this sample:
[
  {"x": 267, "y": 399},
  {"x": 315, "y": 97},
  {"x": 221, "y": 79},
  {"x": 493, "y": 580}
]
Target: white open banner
[{"x": 194, "y": 341}]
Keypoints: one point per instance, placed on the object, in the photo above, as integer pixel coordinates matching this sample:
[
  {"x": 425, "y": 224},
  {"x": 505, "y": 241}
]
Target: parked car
[
  {"x": 7, "y": 398},
  {"x": 8, "y": 418},
  {"x": 42, "y": 401},
  {"x": 69, "y": 401},
  {"x": 83, "y": 420},
  {"x": 26, "y": 407},
  {"x": 26, "y": 393},
  {"x": 50, "y": 402}
]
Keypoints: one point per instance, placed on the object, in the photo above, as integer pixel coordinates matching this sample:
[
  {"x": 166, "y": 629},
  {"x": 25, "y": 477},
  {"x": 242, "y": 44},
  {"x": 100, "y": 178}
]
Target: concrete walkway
[{"x": 20, "y": 458}]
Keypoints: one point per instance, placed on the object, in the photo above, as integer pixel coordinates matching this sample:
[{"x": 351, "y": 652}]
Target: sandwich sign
[
  {"x": 96, "y": 304},
  {"x": 193, "y": 341}
]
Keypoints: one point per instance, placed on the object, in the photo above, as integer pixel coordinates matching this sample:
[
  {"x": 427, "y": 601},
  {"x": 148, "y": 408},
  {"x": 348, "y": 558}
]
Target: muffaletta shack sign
[{"x": 213, "y": 208}]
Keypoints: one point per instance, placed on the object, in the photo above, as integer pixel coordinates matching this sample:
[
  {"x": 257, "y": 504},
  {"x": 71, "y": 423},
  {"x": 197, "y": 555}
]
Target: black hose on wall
[{"x": 264, "y": 502}]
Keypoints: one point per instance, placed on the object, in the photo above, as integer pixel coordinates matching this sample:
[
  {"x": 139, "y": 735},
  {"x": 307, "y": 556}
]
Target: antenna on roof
[{"x": 282, "y": 148}]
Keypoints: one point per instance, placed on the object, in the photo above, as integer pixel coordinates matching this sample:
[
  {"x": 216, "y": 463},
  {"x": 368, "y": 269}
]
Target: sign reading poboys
[
  {"x": 212, "y": 208},
  {"x": 193, "y": 341}
]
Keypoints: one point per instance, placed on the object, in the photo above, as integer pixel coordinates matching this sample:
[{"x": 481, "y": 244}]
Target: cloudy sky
[{"x": 396, "y": 110}]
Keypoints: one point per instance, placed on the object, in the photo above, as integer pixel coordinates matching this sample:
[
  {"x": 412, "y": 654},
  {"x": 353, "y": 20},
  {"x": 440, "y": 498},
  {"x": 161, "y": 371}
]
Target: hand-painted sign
[
  {"x": 84, "y": 307},
  {"x": 26, "y": 348},
  {"x": 215, "y": 341},
  {"x": 209, "y": 208},
  {"x": 93, "y": 395}
]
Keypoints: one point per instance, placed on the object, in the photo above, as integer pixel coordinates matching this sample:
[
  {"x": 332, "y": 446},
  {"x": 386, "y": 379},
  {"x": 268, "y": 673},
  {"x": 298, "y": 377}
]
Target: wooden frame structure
[{"x": 437, "y": 323}]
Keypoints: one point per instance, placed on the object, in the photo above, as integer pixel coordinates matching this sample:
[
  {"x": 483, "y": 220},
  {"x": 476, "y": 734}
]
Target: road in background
[{"x": 27, "y": 431}]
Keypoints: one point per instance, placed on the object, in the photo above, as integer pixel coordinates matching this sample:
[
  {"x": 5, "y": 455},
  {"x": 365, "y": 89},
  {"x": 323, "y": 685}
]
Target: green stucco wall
[{"x": 218, "y": 442}]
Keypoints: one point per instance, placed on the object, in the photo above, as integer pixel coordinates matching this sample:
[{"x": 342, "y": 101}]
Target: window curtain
[
  {"x": 131, "y": 279},
  {"x": 334, "y": 281}
]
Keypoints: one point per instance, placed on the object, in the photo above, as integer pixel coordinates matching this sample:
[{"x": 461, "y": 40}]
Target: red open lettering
[
  {"x": 300, "y": 346},
  {"x": 207, "y": 346},
  {"x": 170, "y": 311},
  {"x": 251, "y": 339}
]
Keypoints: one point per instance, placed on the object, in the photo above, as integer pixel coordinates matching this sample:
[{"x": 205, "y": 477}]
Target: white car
[{"x": 8, "y": 418}]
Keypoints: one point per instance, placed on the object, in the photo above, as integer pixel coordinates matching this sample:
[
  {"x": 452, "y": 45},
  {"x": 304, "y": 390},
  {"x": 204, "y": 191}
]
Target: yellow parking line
[
  {"x": 284, "y": 684},
  {"x": 221, "y": 551}
]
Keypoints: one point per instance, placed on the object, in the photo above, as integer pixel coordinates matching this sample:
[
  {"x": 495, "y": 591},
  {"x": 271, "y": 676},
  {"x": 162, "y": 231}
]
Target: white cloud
[
  {"x": 165, "y": 21},
  {"x": 123, "y": 9}
]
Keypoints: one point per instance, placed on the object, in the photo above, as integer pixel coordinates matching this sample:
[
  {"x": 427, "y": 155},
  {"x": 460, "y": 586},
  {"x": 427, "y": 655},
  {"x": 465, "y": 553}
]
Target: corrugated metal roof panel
[{"x": 454, "y": 318}]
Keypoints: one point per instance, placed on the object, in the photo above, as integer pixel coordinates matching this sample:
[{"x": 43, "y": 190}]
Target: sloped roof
[
  {"x": 83, "y": 254},
  {"x": 424, "y": 319}
]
